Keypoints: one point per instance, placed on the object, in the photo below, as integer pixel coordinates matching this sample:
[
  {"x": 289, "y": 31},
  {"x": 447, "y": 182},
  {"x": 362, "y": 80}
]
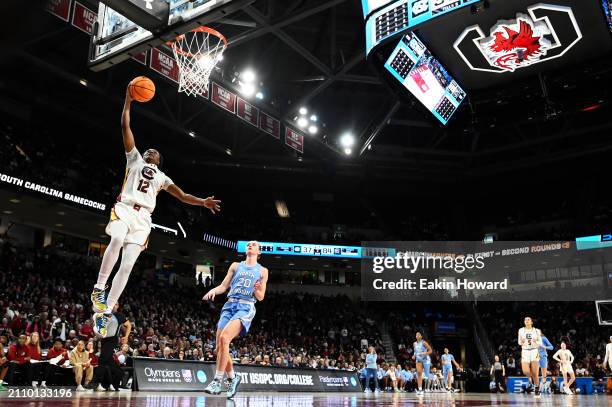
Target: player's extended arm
[
  {"x": 520, "y": 340},
  {"x": 457, "y": 365},
  {"x": 210, "y": 202},
  {"x": 556, "y": 356},
  {"x": 224, "y": 286},
  {"x": 128, "y": 329},
  {"x": 546, "y": 343},
  {"x": 429, "y": 351},
  {"x": 259, "y": 289},
  {"x": 128, "y": 137},
  {"x": 571, "y": 357}
]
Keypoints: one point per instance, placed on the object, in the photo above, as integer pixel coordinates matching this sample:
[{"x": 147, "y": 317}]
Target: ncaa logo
[
  {"x": 201, "y": 376},
  {"x": 187, "y": 375},
  {"x": 353, "y": 382}
]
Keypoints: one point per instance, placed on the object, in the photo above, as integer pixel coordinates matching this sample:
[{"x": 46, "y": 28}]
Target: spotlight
[
  {"x": 347, "y": 140},
  {"x": 247, "y": 89},
  {"x": 206, "y": 62},
  {"x": 83, "y": 82},
  {"x": 303, "y": 111},
  {"x": 248, "y": 75},
  {"x": 302, "y": 122},
  {"x": 313, "y": 129},
  {"x": 192, "y": 134},
  {"x": 259, "y": 95},
  {"x": 314, "y": 118},
  {"x": 348, "y": 151},
  {"x": 228, "y": 151}
]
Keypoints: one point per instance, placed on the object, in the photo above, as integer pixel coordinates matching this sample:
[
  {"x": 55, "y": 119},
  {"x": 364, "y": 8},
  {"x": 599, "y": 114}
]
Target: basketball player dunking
[
  {"x": 530, "y": 339},
  {"x": 422, "y": 350},
  {"x": 130, "y": 222},
  {"x": 246, "y": 282}
]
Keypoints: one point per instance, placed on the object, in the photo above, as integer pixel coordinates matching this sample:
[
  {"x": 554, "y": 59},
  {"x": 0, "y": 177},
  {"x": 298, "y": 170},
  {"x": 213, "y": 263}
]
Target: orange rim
[{"x": 201, "y": 29}]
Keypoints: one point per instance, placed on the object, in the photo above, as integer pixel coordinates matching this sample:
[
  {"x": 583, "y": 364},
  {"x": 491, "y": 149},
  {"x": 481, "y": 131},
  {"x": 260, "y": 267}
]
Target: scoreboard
[
  {"x": 421, "y": 74},
  {"x": 391, "y": 18},
  {"x": 299, "y": 249}
]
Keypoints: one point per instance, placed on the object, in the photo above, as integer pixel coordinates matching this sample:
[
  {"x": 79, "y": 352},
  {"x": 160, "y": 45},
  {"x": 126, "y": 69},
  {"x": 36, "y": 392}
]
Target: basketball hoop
[{"x": 197, "y": 53}]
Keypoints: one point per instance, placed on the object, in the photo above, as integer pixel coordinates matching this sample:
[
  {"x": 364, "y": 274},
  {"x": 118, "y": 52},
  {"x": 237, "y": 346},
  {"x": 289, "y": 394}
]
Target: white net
[{"x": 197, "y": 53}]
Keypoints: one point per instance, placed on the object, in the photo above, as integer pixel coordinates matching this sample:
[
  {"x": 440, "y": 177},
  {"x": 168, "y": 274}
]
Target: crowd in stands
[
  {"x": 574, "y": 323},
  {"x": 42, "y": 298}
]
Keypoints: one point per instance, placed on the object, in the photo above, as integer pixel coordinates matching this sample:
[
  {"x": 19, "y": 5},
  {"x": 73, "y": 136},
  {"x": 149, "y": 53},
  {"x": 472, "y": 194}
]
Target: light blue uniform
[
  {"x": 447, "y": 365},
  {"x": 544, "y": 352},
  {"x": 419, "y": 348},
  {"x": 240, "y": 303}
]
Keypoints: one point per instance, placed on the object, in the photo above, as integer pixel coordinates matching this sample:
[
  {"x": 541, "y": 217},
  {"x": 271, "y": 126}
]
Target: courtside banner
[
  {"x": 177, "y": 375},
  {"x": 487, "y": 271}
]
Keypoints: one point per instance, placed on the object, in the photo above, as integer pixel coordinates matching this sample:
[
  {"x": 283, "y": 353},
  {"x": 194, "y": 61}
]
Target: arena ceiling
[{"x": 310, "y": 52}]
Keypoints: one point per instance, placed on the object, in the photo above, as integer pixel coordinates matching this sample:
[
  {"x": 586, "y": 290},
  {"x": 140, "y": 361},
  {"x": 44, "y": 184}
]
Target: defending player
[
  {"x": 422, "y": 350},
  {"x": 565, "y": 358},
  {"x": 130, "y": 222},
  {"x": 543, "y": 349},
  {"x": 246, "y": 282},
  {"x": 447, "y": 368},
  {"x": 529, "y": 338}
]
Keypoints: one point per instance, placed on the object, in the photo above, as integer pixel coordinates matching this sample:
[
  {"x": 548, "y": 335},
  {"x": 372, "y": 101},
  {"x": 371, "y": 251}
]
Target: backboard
[
  {"x": 604, "y": 312},
  {"x": 116, "y": 37}
]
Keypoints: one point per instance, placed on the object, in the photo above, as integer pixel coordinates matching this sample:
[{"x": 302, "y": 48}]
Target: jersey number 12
[{"x": 143, "y": 186}]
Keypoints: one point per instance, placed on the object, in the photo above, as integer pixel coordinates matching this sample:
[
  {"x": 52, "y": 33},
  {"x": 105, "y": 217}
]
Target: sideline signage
[{"x": 178, "y": 375}]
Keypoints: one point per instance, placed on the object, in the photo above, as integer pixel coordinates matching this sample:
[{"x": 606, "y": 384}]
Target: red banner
[
  {"x": 142, "y": 57},
  {"x": 60, "y": 8},
  {"x": 247, "y": 112},
  {"x": 269, "y": 124},
  {"x": 223, "y": 97},
  {"x": 164, "y": 64},
  {"x": 294, "y": 139},
  {"x": 83, "y": 18}
]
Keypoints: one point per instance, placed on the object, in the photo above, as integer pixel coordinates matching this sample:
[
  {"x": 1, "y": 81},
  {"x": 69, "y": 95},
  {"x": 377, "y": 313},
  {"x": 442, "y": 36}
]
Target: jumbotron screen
[
  {"x": 371, "y": 5},
  {"x": 607, "y": 6},
  {"x": 421, "y": 73},
  {"x": 390, "y": 18}
]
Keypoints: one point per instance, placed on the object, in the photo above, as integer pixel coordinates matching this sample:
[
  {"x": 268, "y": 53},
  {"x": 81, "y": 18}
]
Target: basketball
[{"x": 142, "y": 89}]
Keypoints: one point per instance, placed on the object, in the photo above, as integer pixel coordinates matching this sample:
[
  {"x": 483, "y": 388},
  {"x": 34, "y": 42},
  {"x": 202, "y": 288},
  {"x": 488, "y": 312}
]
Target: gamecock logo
[{"x": 526, "y": 40}]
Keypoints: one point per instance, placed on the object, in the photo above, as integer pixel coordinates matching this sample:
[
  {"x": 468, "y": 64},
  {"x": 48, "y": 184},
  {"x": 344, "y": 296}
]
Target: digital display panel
[
  {"x": 593, "y": 242},
  {"x": 402, "y": 15},
  {"x": 371, "y": 5},
  {"x": 607, "y": 7},
  {"x": 299, "y": 249},
  {"x": 421, "y": 74}
]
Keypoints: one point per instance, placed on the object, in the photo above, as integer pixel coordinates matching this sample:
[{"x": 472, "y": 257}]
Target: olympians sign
[{"x": 173, "y": 375}]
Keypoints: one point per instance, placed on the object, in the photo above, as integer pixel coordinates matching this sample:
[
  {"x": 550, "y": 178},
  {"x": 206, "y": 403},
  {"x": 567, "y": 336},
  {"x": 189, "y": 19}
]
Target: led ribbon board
[
  {"x": 402, "y": 15},
  {"x": 417, "y": 70},
  {"x": 299, "y": 249},
  {"x": 593, "y": 242}
]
